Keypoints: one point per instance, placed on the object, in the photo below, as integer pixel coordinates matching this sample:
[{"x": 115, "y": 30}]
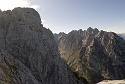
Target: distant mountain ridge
[{"x": 92, "y": 54}]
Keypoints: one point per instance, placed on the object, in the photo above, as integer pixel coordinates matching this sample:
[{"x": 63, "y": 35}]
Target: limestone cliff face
[
  {"x": 28, "y": 52},
  {"x": 92, "y": 54}
]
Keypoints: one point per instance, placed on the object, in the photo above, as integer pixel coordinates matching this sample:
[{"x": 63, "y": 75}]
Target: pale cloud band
[{"x": 11, "y": 4}]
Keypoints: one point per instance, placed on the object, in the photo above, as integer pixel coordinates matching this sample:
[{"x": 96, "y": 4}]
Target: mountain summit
[
  {"x": 28, "y": 52},
  {"x": 92, "y": 54}
]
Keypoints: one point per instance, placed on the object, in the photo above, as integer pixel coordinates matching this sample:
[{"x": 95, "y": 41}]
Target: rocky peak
[
  {"x": 94, "y": 55},
  {"x": 26, "y": 14},
  {"x": 28, "y": 52},
  {"x": 96, "y": 30},
  {"x": 90, "y": 29}
]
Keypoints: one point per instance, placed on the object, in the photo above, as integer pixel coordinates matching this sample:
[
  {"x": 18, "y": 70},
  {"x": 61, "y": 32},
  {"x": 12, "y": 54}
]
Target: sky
[{"x": 67, "y": 15}]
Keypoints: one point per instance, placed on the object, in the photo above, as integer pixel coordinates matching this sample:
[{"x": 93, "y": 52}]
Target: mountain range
[
  {"x": 32, "y": 54},
  {"x": 92, "y": 54}
]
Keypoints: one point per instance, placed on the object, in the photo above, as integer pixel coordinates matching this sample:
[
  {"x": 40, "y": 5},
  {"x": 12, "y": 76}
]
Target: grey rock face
[
  {"x": 92, "y": 54},
  {"x": 28, "y": 52}
]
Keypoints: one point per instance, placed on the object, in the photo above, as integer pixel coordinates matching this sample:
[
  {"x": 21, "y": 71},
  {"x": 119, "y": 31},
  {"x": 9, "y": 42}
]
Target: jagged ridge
[{"x": 92, "y": 54}]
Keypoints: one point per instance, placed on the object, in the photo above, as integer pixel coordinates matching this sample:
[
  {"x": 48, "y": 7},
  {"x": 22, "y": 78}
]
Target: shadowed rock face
[
  {"x": 92, "y": 54},
  {"x": 28, "y": 53}
]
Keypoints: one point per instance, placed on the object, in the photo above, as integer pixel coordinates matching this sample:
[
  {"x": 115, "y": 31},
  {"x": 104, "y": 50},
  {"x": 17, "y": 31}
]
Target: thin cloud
[{"x": 11, "y": 4}]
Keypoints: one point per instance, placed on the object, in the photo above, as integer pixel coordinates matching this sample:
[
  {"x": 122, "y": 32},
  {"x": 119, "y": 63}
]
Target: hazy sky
[{"x": 67, "y": 15}]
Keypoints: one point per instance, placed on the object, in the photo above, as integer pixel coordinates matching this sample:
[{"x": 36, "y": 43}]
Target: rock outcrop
[
  {"x": 28, "y": 52},
  {"x": 92, "y": 54}
]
